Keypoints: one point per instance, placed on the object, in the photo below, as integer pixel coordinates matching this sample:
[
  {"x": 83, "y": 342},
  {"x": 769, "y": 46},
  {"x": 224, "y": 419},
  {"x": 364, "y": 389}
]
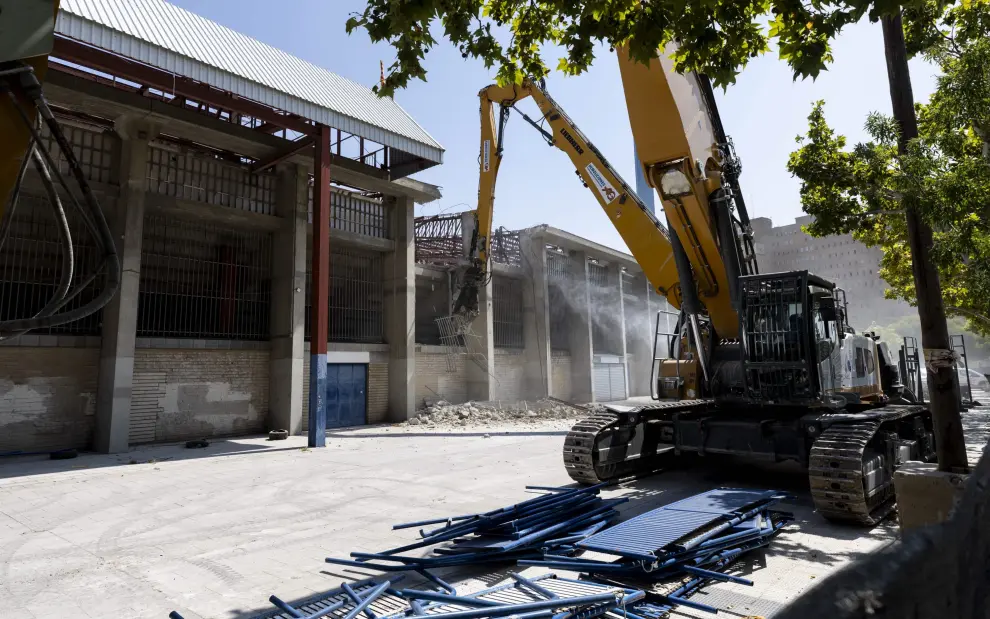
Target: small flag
[{"x": 381, "y": 65}]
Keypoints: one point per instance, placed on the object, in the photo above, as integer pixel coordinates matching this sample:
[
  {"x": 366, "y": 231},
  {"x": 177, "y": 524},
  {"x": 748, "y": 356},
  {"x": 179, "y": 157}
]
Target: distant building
[{"x": 854, "y": 267}]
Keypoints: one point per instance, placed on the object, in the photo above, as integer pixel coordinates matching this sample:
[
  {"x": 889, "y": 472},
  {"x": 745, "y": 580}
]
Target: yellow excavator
[
  {"x": 761, "y": 365},
  {"x": 27, "y": 31}
]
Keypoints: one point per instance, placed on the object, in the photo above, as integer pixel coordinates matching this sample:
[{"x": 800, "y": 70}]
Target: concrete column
[
  {"x": 579, "y": 330},
  {"x": 400, "y": 313},
  {"x": 536, "y": 315},
  {"x": 116, "y": 377},
  {"x": 480, "y": 341},
  {"x": 480, "y": 344},
  {"x": 288, "y": 309}
]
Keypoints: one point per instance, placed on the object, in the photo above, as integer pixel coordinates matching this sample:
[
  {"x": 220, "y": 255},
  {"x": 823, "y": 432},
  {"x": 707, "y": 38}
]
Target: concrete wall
[
  {"x": 561, "y": 368},
  {"x": 510, "y": 375},
  {"x": 183, "y": 394},
  {"x": 47, "y": 397}
]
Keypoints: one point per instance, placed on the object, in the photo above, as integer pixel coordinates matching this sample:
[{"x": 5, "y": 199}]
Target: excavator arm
[{"x": 642, "y": 232}]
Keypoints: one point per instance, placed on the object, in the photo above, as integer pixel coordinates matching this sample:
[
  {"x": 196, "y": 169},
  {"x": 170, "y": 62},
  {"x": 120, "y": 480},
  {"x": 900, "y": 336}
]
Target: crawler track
[
  {"x": 849, "y": 479},
  {"x": 580, "y": 458},
  {"x": 849, "y": 470}
]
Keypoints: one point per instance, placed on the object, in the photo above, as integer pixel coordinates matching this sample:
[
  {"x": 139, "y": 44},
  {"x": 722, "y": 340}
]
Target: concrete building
[
  {"x": 853, "y": 267},
  {"x": 201, "y": 156},
  {"x": 563, "y": 317},
  {"x": 194, "y": 139}
]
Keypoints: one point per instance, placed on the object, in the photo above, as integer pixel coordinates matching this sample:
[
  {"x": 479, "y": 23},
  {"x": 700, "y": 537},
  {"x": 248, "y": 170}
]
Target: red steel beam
[
  {"x": 76, "y": 52},
  {"x": 320, "y": 290},
  {"x": 294, "y": 147}
]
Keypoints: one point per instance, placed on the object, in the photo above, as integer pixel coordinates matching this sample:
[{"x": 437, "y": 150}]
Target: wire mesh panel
[
  {"x": 200, "y": 177},
  {"x": 355, "y": 213},
  {"x": 31, "y": 260},
  {"x": 201, "y": 280},
  {"x": 557, "y": 285},
  {"x": 93, "y": 149},
  {"x": 507, "y": 308},
  {"x": 356, "y": 296}
]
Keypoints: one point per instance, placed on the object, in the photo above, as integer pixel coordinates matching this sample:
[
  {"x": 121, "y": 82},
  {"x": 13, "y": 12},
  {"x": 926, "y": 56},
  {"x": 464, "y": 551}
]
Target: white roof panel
[{"x": 173, "y": 39}]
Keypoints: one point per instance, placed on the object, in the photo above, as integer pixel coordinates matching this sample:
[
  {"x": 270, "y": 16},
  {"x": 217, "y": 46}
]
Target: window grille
[
  {"x": 31, "y": 262},
  {"x": 354, "y": 213},
  {"x": 432, "y": 302},
  {"x": 202, "y": 280},
  {"x": 200, "y": 177},
  {"x": 507, "y": 306},
  {"x": 92, "y": 148},
  {"x": 356, "y": 296},
  {"x": 557, "y": 284}
]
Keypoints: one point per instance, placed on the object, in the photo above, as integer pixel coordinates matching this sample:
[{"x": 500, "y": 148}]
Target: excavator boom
[{"x": 646, "y": 238}]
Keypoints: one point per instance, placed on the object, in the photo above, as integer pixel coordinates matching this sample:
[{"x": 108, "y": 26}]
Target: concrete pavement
[{"x": 214, "y": 532}]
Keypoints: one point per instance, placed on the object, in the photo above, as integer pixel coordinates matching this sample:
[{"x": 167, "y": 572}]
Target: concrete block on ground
[{"x": 925, "y": 495}]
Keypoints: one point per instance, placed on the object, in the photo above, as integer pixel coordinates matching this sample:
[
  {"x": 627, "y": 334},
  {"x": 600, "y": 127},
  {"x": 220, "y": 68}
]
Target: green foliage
[
  {"x": 716, "y": 37},
  {"x": 945, "y": 173}
]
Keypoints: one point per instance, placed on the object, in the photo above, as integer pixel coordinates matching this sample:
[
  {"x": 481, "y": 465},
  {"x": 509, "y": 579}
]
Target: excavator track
[
  {"x": 840, "y": 469},
  {"x": 849, "y": 471},
  {"x": 580, "y": 444}
]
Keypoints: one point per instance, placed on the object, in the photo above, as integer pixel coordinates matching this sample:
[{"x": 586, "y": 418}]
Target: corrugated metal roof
[{"x": 168, "y": 37}]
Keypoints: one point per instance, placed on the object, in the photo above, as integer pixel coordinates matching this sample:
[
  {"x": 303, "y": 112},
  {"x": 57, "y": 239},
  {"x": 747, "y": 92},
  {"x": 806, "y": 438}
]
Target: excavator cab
[{"x": 791, "y": 331}]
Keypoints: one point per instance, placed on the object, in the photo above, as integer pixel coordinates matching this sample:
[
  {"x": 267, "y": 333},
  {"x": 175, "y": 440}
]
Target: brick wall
[
  {"x": 510, "y": 375},
  {"x": 377, "y": 392},
  {"x": 434, "y": 381},
  {"x": 47, "y": 398},
  {"x": 182, "y": 394},
  {"x": 561, "y": 378}
]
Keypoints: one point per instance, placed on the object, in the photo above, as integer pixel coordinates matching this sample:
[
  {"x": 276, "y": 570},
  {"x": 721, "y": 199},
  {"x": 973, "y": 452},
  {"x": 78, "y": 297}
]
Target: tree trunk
[{"x": 945, "y": 404}]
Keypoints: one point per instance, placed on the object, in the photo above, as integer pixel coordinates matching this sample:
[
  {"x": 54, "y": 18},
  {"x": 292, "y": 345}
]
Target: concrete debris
[{"x": 440, "y": 413}]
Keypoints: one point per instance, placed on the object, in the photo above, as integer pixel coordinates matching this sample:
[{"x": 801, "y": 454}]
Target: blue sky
[{"x": 763, "y": 113}]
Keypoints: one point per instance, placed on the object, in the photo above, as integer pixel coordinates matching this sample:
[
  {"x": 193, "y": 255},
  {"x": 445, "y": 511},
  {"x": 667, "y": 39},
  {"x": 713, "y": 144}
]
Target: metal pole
[{"x": 320, "y": 291}]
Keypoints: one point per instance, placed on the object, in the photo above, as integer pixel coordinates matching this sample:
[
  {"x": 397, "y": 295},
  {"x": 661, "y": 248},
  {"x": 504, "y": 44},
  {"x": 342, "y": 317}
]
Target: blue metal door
[{"x": 346, "y": 394}]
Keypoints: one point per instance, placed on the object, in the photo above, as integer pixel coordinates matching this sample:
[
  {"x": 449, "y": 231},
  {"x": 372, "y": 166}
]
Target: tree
[
  {"x": 861, "y": 191},
  {"x": 714, "y": 37}
]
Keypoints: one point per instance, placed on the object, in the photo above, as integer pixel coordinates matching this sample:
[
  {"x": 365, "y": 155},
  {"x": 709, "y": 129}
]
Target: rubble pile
[{"x": 444, "y": 414}]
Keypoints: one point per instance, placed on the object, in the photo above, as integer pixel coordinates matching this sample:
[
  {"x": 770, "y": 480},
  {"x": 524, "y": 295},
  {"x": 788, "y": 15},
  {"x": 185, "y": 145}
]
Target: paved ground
[{"x": 214, "y": 532}]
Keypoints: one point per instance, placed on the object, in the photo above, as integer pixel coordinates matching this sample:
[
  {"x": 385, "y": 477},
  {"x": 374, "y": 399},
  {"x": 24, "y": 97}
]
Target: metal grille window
[
  {"x": 197, "y": 176},
  {"x": 432, "y": 302},
  {"x": 93, "y": 149},
  {"x": 605, "y": 328},
  {"x": 204, "y": 281},
  {"x": 31, "y": 262},
  {"x": 507, "y": 306},
  {"x": 637, "y": 319},
  {"x": 356, "y": 296},
  {"x": 557, "y": 284},
  {"x": 353, "y": 213}
]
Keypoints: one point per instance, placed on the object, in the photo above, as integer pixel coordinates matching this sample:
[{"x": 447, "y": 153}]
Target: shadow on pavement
[{"x": 21, "y": 466}]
